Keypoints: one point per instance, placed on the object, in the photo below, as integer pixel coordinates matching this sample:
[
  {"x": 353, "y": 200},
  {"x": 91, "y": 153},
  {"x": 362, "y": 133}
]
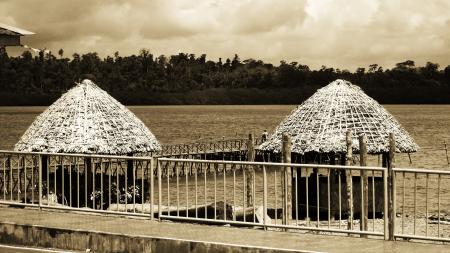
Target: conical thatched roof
[
  {"x": 321, "y": 122},
  {"x": 88, "y": 120}
]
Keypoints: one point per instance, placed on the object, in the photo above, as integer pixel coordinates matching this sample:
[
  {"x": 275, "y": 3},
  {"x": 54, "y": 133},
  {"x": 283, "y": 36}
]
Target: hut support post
[
  {"x": 130, "y": 172},
  {"x": 286, "y": 180},
  {"x": 41, "y": 167},
  {"x": 349, "y": 180},
  {"x": 43, "y": 170},
  {"x": 43, "y": 163},
  {"x": 250, "y": 172},
  {"x": 88, "y": 170},
  {"x": 364, "y": 185},
  {"x": 391, "y": 184}
]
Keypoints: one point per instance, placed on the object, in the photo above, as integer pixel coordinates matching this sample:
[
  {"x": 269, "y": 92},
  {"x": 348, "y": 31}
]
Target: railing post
[
  {"x": 364, "y": 185},
  {"x": 250, "y": 174},
  {"x": 391, "y": 184},
  {"x": 40, "y": 181},
  {"x": 151, "y": 186},
  {"x": 158, "y": 167},
  {"x": 265, "y": 197},
  {"x": 286, "y": 180},
  {"x": 349, "y": 180}
]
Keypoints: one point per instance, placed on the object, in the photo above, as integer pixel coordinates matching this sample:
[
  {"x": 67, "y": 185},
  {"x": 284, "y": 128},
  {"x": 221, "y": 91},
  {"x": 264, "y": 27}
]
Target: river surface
[{"x": 429, "y": 125}]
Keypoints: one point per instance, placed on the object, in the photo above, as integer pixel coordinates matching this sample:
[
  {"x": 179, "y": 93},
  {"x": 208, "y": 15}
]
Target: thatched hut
[
  {"x": 318, "y": 129},
  {"x": 88, "y": 120},
  {"x": 320, "y": 123}
]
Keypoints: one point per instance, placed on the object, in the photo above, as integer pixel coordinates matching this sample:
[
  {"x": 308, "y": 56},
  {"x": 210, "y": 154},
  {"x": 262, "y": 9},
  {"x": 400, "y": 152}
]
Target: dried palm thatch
[
  {"x": 86, "y": 119},
  {"x": 320, "y": 123}
]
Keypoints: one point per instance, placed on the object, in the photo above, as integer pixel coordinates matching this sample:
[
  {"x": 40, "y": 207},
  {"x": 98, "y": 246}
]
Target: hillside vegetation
[{"x": 190, "y": 79}]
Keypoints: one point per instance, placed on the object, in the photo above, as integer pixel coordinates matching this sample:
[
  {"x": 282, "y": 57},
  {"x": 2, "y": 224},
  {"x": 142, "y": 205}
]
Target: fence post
[
  {"x": 151, "y": 188},
  {"x": 286, "y": 180},
  {"x": 250, "y": 172},
  {"x": 364, "y": 185},
  {"x": 158, "y": 168},
  {"x": 265, "y": 197},
  {"x": 349, "y": 180},
  {"x": 391, "y": 183},
  {"x": 40, "y": 181}
]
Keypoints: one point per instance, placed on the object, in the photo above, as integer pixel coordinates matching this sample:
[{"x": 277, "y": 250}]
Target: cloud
[{"x": 339, "y": 33}]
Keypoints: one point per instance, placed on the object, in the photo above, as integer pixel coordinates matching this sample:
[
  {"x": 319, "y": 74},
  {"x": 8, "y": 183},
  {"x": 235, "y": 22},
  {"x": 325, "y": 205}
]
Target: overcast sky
[{"x": 337, "y": 33}]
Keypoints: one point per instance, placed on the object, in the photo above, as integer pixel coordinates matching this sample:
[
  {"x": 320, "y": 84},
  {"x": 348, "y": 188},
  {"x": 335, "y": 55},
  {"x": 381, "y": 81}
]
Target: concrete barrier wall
[{"x": 38, "y": 236}]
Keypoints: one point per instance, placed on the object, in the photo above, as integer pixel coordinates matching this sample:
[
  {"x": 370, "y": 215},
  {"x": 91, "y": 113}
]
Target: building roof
[
  {"x": 86, "y": 119},
  {"x": 320, "y": 123},
  {"x": 10, "y": 30}
]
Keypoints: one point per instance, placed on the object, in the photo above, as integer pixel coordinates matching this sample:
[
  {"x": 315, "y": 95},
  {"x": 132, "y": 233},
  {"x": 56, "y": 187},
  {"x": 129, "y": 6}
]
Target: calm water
[{"x": 429, "y": 125}]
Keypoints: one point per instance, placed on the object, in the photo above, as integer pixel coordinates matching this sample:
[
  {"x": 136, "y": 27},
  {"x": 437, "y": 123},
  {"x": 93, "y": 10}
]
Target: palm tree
[{"x": 61, "y": 53}]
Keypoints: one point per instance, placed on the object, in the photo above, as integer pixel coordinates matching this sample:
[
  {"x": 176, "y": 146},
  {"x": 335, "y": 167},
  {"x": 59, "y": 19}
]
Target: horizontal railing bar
[
  {"x": 11, "y": 203},
  {"x": 96, "y": 211},
  {"x": 83, "y": 210},
  {"x": 324, "y": 229},
  {"x": 424, "y": 171},
  {"x": 168, "y": 217},
  {"x": 76, "y": 155},
  {"x": 297, "y": 165},
  {"x": 418, "y": 237},
  {"x": 86, "y": 210}
]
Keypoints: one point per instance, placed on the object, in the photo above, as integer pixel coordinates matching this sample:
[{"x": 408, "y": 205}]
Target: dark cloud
[{"x": 340, "y": 33}]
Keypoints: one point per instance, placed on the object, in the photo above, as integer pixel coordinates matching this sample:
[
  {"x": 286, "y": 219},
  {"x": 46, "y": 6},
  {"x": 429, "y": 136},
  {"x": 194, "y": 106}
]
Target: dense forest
[{"x": 191, "y": 79}]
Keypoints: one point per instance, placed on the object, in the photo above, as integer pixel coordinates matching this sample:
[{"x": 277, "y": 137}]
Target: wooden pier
[{"x": 225, "y": 149}]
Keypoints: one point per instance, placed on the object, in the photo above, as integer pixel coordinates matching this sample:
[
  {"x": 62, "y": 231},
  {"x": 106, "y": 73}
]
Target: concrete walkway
[{"x": 212, "y": 235}]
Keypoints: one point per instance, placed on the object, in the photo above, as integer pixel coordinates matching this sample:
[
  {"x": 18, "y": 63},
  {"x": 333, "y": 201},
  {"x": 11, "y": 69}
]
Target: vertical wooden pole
[
  {"x": 391, "y": 165},
  {"x": 43, "y": 164},
  {"x": 130, "y": 172},
  {"x": 88, "y": 169},
  {"x": 40, "y": 185},
  {"x": 349, "y": 181},
  {"x": 250, "y": 172},
  {"x": 364, "y": 184},
  {"x": 287, "y": 180}
]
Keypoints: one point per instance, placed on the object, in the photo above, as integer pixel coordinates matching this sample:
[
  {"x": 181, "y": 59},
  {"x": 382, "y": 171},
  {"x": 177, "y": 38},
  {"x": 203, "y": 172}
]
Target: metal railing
[
  {"x": 93, "y": 183},
  {"x": 270, "y": 195},
  {"x": 220, "y": 192},
  {"x": 421, "y": 204}
]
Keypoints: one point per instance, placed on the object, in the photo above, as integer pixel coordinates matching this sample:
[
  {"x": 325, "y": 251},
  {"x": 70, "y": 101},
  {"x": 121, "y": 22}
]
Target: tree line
[{"x": 190, "y": 79}]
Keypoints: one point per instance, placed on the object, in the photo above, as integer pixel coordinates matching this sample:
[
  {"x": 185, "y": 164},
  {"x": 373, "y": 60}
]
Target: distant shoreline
[{"x": 241, "y": 96}]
